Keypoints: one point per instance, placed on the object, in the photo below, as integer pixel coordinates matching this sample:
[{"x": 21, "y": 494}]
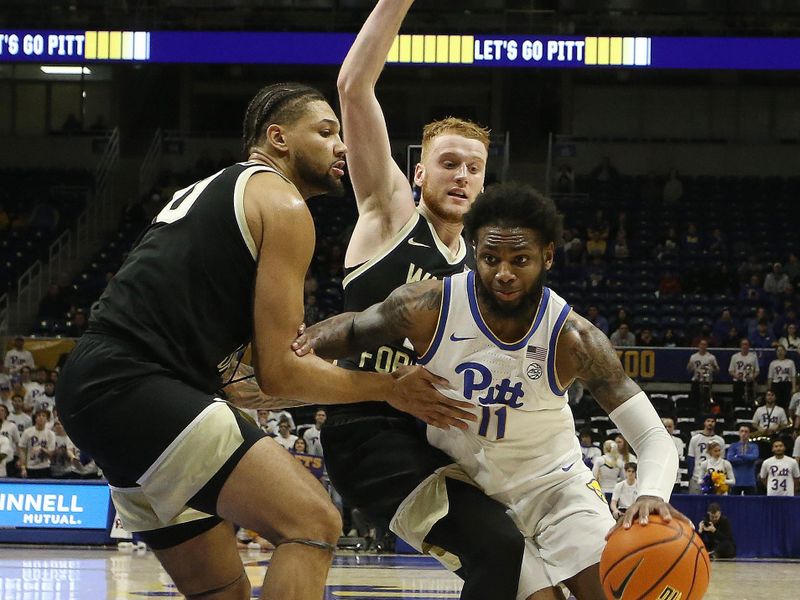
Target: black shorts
[
  {"x": 165, "y": 447},
  {"x": 375, "y": 462}
]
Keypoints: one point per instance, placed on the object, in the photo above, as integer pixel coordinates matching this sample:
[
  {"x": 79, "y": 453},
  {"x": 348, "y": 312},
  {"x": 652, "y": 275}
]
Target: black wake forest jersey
[
  {"x": 184, "y": 296},
  {"x": 414, "y": 254}
]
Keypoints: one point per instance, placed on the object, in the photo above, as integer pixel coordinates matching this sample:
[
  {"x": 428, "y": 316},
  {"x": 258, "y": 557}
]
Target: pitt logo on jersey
[{"x": 478, "y": 378}]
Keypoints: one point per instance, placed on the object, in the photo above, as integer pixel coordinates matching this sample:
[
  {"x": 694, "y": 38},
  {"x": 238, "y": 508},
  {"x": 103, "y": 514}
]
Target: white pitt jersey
[{"x": 525, "y": 428}]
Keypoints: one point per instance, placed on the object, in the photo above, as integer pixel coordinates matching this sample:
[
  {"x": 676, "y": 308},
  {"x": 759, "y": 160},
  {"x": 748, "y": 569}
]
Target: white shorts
[
  {"x": 564, "y": 516},
  {"x": 565, "y": 523}
]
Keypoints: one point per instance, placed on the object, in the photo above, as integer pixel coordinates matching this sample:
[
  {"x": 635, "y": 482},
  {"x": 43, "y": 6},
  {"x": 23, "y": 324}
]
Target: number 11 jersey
[{"x": 525, "y": 428}]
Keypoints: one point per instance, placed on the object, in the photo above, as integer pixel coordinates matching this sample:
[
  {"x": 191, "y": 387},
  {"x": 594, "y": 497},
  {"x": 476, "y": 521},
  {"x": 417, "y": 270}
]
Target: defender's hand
[
  {"x": 646, "y": 506},
  {"x": 303, "y": 343},
  {"x": 414, "y": 394}
]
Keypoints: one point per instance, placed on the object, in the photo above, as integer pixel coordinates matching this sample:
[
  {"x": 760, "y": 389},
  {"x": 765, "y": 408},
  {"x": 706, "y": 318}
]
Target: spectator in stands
[
  {"x": 668, "y": 248},
  {"x": 573, "y": 246},
  {"x": 698, "y": 449},
  {"x": 671, "y": 339},
  {"x": 623, "y": 336},
  {"x": 779, "y": 473},
  {"x": 625, "y": 492},
  {"x": 605, "y": 172},
  {"x": 53, "y": 305},
  {"x": 6, "y": 455},
  {"x": 596, "y": 273},
  {"x": 646, "y": 338},
  {"x": 595, "y": 246},
  {"x": 732, "y": 339},
  {"x": 299, "y": 446},
  {"x": 748, "y": 269},
  {"x": 65, "y": 455},
  {"x": 775, "y": 282},
  {"x": 606, "y": 468},
  {"x": 595, "y": 318},
  {"x": 18, "y": 416},
  {"x": 47, "y": 400},
  {"x": 565, "y": 179},
  {"x": 723, "y": 325},
  {"x": 691, "y": 243},
  {"x": 285, "y": 436},
  {"x": 37, "y": 446},
  {"x": 598, "y": 228},
  {"x": 716, "y": 532},
  {"x": 769, "y": 418},
  {"x": 792, "y": 268},
  {"x": 743, "y": 370},
  {"x": 9, "y": 431},
  {"x": 312, "y": 434},
  {"x": 704, "y": 335},
  {"x": 716, "y": 244},
  {"x": 78, "y": 324},
  {"x": 702, "y": 365},
  {"x": 624, "y": 451},
  {"x": 589, "y": 449},
  {"x": 618, "y": 319},
  {"x": 621, "y": 250},
  {"x": 751, "y": 293},
  {"x": 715, "y": 463},
  {"x": 743, "y": 456},
  {"x": 262, "y": 420},
  {"x": 794, "y": 407},
  {"x": 33, "y": 387},
  {"x": 796, "y": 451},
  {"x": 670, "y": 284},
  {"x": 763, "y": 337},
  {"x": 680, "y": 446},
  {"x": 18, "y": 357},
  {"x": 790, "y": 341},
  {"x": 673, "y": 189},
  {"x": 274, "y": 417},
  {"x": 781, "y": 376}
]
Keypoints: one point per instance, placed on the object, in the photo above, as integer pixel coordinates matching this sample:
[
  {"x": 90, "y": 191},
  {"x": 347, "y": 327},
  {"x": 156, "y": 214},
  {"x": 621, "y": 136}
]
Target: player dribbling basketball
[{"x": 511, "y": 347}]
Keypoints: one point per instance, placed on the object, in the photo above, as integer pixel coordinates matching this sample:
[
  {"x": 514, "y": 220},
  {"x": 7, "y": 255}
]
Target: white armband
[{"x": 639, "y": 423}]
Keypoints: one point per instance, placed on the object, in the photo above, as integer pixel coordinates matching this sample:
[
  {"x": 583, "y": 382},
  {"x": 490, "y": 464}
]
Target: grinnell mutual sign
[{"x": 50, "y": 506}]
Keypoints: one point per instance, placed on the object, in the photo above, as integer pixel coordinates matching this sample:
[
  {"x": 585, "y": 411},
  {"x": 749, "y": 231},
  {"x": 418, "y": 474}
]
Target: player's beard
[
  {"x": 317, "y": 179},
  {"x": 526, "y": 306},
  {"x": 446, "y": 212}
]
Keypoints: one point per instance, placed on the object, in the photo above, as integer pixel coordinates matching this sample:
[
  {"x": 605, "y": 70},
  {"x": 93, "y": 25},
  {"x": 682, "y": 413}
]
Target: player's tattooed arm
[
  {"x": 411, "y": 311},
  {"x": 586, "y": 354}
]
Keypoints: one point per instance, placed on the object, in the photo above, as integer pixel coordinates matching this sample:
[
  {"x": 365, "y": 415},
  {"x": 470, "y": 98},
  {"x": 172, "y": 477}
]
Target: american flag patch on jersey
[{"x": 536, "y": 353}]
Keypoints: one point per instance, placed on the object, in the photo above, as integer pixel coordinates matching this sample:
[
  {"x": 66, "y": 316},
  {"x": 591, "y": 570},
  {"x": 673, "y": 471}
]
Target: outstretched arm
[
  {"x": 275, "y": 212},
  {"x": 584, "y": 353},
  {"x": 411, "y": 311},
  {"x": 383, "y": 194}
]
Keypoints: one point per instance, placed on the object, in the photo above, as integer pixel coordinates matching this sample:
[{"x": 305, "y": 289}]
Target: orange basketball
[{"x": 658, "y": 561}]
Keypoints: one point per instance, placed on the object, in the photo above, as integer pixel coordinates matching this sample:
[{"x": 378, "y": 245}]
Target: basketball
[{"x": 659, "y": 561}]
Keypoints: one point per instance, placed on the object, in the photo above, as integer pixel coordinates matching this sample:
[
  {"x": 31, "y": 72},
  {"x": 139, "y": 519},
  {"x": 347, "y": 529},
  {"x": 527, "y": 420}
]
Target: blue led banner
[
  {"x": 303, "y": 48},
  {"x": 53, "y": 506}
]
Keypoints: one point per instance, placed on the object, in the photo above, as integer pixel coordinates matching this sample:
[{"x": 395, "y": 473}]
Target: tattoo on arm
[
  {"x": 393, "y": 319},
  {"x": 599, "y": 367}
]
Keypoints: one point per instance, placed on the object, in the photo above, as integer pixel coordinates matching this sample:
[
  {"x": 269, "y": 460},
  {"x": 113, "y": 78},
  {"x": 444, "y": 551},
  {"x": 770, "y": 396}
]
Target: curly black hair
[
  {"x": 515, "y": 205},
  {"x": 280, "y": 103}
]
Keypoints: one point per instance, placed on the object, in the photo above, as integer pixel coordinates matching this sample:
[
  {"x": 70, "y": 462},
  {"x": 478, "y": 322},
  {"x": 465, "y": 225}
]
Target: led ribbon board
[{"x": 304, "y": 48}]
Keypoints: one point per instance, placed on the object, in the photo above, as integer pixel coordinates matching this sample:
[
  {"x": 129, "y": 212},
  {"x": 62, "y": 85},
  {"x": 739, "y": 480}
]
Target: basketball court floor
[{"x": 53, "y": 573}]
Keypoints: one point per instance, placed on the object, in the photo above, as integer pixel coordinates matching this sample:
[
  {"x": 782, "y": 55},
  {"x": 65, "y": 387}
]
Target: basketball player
[
  {"x": 375, "y": 455},
  {"x": 212, "y": 272},
  {"x": 512, "y": 347}
]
